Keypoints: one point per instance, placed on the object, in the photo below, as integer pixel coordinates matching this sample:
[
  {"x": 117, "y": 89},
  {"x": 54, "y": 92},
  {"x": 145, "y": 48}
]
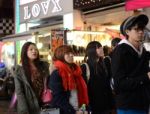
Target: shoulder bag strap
[{"x": 87, "y": 71}]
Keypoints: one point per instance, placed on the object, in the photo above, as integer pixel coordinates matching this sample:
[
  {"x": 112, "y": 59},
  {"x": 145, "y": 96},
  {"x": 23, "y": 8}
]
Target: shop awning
[{"x": 16, "y": 37}]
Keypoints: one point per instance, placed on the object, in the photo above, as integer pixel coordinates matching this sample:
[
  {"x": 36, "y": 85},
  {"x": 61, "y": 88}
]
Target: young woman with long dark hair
[
  {"x": 99, "y": 91},
  {"x": 29, "y": 80}
]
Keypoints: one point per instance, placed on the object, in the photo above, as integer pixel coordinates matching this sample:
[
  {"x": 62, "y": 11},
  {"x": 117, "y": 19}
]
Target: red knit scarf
[{"x": 72, "y": 79}]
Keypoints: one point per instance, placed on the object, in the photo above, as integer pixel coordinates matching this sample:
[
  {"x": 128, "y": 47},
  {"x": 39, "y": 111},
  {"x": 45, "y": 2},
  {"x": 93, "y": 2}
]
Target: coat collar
[
  {"x": 139, "y": 52},
  {"x": 21, "y": 75}
]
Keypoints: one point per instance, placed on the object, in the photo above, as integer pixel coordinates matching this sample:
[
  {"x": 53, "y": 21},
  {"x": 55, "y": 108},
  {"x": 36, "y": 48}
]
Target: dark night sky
[{"x": 6, "y": 8}]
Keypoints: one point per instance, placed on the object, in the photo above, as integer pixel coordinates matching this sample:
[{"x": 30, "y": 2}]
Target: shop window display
[
  {"x": 48, "y": 43},
  {"x": 6, "y": 66},
  {"x": 8, "y": 54},
  {"x": 79, "y": 40},
  {"x": 43, "y": 44},
  {"x": 57, "y": 39}
]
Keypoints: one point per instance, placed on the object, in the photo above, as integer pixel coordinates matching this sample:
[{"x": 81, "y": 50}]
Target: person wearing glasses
[{"x": 130, "y": 68}]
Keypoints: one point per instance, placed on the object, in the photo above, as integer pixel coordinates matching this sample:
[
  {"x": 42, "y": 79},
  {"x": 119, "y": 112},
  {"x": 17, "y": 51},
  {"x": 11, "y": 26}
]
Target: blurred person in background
[
  {"x": 115, "y": 42},
  {"x": 106, "y": 50},
  {"x": 107, "y": 58},
  {"x": 107, "y": 61}
]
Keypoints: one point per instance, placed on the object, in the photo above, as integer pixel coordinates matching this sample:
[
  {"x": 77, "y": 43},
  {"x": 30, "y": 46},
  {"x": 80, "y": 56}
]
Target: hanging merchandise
[
  {"x": 8, "y": 54},
  {"x": 113, "y": 33},
  {"x": 57, "y": 39}
]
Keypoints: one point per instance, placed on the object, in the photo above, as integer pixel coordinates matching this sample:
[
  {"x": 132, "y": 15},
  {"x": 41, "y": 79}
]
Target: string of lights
[{"x": 92, "y": 4}]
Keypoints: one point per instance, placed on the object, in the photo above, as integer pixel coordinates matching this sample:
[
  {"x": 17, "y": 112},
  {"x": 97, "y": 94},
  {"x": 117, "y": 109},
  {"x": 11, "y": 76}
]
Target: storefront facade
[
  {"x": 38, "y": 18},
  {"x": 50, "y": 24}
]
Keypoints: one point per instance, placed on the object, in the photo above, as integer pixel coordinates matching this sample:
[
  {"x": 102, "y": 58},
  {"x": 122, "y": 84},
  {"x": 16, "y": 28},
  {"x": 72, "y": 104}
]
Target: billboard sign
[
  {"x": 38, "y": 9},
  {"x": 22, "y": 2}
]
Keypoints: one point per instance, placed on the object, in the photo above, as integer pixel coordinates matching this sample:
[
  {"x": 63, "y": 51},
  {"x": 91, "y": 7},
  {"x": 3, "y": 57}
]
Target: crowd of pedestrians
[{"x": 117, "y": 82}]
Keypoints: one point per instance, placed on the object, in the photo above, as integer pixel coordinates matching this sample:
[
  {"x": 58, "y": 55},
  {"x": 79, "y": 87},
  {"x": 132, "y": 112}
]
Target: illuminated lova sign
[
  {"x": 36, "y": 9},
  {"x": 44, "y": 8}
]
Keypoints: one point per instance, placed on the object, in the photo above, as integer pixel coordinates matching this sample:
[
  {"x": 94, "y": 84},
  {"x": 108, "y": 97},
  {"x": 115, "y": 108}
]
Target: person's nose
[
  {"x": 71, "y": 54},
  {"x": 141, "y": 30},
  {"x": 34, "y": 50}
]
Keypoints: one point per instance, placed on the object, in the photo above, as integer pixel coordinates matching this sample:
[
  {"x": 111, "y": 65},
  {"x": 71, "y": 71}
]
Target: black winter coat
[
  {"x": 99, "y": 91},
  {"x": 129, "y": 70},
  {"x": 60, "y": 97}
]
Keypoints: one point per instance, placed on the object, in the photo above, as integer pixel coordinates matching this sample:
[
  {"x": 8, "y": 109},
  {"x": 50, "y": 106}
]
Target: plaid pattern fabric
[{"x": 7, "y": 26}]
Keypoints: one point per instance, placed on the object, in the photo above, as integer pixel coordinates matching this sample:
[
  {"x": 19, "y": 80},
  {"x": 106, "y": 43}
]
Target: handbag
[
  {"x": 46, "y": 94},
  {"x": 50, "y": 111}
]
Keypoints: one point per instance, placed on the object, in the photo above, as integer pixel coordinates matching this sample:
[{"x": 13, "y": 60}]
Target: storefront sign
[
  {"x": 136, "y": 4},
  {"x": 26, "y": 1},
  {"x": 44, "y": 8}
]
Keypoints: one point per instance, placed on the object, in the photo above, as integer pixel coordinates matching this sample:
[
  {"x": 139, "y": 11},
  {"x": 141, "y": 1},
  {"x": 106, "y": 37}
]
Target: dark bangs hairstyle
[
  {"x": 25, "y": 59},
  {"x": 139, "y": 24},
  {"x": 91, "y": 56},
  {"x": 90, "y": 52},
  {"x": 115, "y": 41},
  {"x": 60, "y": 52}
]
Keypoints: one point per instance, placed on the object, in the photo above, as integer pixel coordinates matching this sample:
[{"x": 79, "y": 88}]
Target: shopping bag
[
  {"x": 82, "y": 112},
  {"x": 50, "y": 111}
]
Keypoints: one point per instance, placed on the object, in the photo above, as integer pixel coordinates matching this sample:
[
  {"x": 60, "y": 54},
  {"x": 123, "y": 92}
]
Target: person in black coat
[
  {"x": 107, "y": 58},
  {"x": 130, "y": 68},
  {"x": 99, "y": 91}
]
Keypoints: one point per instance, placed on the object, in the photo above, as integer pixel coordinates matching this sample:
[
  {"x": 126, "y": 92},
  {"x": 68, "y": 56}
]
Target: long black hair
[
  {"x": 91, "y": 56},
  {"x": 25, "y": 61}
]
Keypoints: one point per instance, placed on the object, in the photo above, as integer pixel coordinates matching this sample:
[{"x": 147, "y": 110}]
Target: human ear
[{"x": 127, "y": 31}]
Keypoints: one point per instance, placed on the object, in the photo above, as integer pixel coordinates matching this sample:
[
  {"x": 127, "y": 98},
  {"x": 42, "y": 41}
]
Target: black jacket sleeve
[
  {"x": 123, "y": 80},
  {"x": 83, "y": 68},
  {"x": 107, "y": 63},
  {"x": 60, "y": 97}
]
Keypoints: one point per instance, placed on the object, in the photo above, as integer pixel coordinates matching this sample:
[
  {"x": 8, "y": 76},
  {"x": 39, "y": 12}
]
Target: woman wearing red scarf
[{"x": 66, "y": 82}]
